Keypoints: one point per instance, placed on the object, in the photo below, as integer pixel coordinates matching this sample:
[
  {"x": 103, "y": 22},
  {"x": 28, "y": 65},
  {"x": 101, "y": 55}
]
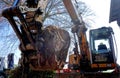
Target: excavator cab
[{"x": 102, "y": 48}]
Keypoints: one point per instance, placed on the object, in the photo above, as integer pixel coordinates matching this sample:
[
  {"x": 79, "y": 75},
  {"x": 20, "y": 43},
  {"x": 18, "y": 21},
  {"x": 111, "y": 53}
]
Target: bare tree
[{"x": 56, "y": 14}]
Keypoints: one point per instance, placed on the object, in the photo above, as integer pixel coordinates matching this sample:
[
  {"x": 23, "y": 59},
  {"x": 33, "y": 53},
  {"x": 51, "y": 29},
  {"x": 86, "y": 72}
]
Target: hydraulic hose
[{"x": 15, "y": 2}]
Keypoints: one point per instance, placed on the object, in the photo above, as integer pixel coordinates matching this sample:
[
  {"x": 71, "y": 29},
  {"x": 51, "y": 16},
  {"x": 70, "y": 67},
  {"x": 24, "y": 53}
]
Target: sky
[{"x": 102, "y": 9}]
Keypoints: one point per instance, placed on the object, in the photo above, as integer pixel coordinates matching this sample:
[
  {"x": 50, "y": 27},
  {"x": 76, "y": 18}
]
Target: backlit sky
[{"x": 102, "y": 9}]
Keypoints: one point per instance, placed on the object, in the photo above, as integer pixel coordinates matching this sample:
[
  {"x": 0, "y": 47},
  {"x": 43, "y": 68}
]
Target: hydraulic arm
[
  {"x": 76, "y": 18},
  {"x": 80, "y": 30}
]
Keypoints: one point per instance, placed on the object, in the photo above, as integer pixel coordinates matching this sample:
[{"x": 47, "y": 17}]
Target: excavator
[{"x": 92, "y": 57}]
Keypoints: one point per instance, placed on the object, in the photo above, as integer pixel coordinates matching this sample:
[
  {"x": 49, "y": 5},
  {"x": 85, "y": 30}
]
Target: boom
[
  {"x": 80, "y": 31},
  {"x": 76, "y": 18}
]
